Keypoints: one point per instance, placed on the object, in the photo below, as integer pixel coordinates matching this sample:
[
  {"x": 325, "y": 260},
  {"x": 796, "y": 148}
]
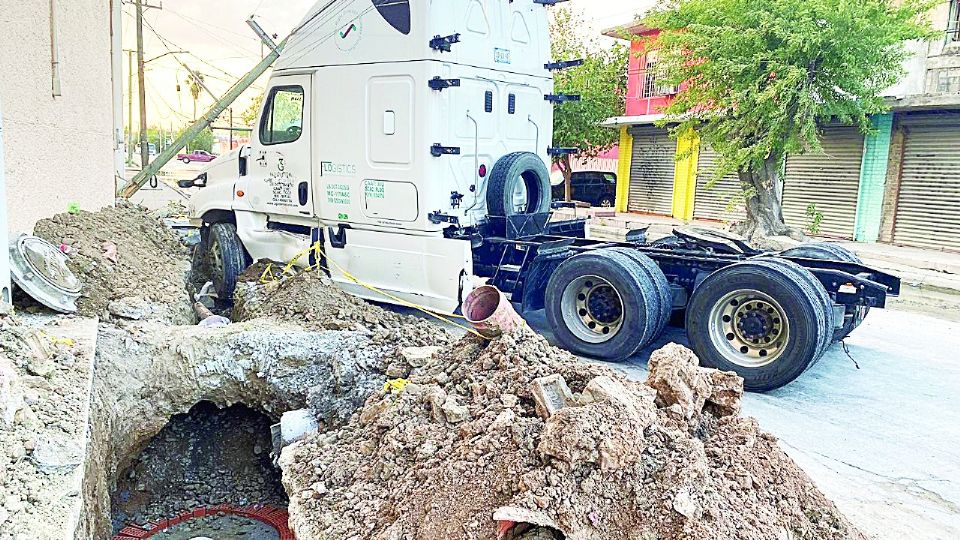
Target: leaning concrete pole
[
  {"x": 191, "y": 133},
  {"x": 5, "y": 291}
]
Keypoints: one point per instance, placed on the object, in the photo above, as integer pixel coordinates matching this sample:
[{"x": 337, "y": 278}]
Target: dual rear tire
[
  {"x": 608, "y": 304},
  {"x": 768, "y": 320}
]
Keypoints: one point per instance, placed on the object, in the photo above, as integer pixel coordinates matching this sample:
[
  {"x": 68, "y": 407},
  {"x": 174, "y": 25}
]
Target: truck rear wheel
[
  {"x": 519, "y": 184},
  {"x": 853, "y": 315},
  {"x": 766, "y": 319},
  {"x": 660, "y": 284},
  {"x": 221, "y": 260},
  {"x": 603, "y": 304}
]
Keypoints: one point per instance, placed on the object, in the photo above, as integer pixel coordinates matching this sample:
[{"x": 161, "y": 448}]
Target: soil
[
  {"x": 207, "y": 457},
  {"x": 311, "y": 300},
  {"x": 466, "y": 438},
  {"x": 219, "y": 527},
  {"x": 148, "y": 276}
]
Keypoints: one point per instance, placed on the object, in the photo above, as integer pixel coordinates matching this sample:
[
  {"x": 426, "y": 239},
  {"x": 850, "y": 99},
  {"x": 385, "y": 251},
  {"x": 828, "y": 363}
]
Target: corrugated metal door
[
  {"x": 724, "y": 199},
  {"x": 830, "y": 180},
  {"x": 652, "y": 171},
  {"x": 928, "y": 206}
]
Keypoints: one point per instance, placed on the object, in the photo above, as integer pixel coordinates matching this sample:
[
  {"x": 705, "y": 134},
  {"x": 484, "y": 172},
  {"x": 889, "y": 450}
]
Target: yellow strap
[{"x": 318, "y": 252}]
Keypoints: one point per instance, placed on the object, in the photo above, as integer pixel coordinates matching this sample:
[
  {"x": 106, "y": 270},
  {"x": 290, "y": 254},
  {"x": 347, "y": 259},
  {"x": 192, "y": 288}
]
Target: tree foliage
[
  {"x": 252, "y": 112},
  {"x": 203, "y": 141},
  {"x": 760, "y": 76},
  {"x": 601, "y": 82}
]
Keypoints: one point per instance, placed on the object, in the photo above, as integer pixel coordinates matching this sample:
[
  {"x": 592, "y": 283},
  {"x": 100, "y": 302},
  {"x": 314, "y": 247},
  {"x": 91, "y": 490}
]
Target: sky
[{"x": 220, "y": 46}]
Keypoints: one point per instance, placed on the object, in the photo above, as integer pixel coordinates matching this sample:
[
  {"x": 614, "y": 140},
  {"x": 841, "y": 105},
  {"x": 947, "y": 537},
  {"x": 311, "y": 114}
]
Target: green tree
[
  {"x": 601, "y": 82},
  {"x": 760, "y": 76},
  {"x": 252, "y": 113},
  {"x": 203, "y": 141}
]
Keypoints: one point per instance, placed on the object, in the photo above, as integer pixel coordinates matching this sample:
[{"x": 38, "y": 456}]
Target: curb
[{"x": 275, "y": 517}]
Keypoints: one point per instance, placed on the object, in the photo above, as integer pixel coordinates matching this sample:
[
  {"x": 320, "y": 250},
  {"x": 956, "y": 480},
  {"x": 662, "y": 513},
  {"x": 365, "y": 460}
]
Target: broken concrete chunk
[
  {"x": 678, "y": 379},
  {"x": 550, "y": 394},
  {"x": 132, "y": 307},
  {"x": 726, "y": 393},
  {"x": 418, "y": 356},
  {"x": 56, "y": 456},
  {"x": 297, "y": 425},
  {"x": 11, "y": 392},
  {"x": 454, "y": 412},
  {"x": 684, "y": 504}
]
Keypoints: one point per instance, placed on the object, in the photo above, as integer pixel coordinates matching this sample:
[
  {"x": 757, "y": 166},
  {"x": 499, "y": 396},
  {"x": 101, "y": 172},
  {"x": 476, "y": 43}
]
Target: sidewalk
[{"x": 921, "y": 269}]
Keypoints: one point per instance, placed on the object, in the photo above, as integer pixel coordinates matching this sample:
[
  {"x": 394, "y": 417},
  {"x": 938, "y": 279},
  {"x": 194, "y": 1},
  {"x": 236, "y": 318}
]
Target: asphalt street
[{"x": 882, "y": 441}]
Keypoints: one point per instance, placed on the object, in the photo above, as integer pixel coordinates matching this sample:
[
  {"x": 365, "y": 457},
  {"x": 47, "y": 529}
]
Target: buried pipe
[{"x": 490, "y": 312}]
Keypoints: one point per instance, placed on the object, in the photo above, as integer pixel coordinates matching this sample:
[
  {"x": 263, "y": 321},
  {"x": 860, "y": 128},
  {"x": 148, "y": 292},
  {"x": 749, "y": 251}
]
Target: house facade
[
  {"x": 899, "y": 184},
  {"x": 61, "y": 137}
]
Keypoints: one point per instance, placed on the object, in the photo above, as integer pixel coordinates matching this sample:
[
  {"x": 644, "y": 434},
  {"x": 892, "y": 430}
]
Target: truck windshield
[{"x": 282, "y": 120}]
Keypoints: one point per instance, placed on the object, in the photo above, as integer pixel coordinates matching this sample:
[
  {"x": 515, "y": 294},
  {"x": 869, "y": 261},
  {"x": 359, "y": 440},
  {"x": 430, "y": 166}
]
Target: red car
[{"x": 197, "y": 155}]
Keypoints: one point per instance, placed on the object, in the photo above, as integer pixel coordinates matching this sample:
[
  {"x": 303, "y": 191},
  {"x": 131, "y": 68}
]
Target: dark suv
[{"x": 595, "y": 187}]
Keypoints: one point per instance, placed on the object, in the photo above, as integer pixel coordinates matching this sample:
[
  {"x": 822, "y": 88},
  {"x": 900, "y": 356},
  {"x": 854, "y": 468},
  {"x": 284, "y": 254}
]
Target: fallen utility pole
[{"x": 191, "y": 133}]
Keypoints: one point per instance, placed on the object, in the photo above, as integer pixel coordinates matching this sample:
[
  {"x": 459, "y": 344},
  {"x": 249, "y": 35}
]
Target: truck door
[{"x": 279, "y": 171}]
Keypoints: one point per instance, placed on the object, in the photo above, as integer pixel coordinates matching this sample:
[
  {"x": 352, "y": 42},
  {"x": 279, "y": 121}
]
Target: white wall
[{"x": 58, "y": 150}]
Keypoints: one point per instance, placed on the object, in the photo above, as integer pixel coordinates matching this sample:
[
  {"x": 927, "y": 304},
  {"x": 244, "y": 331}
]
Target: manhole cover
[{"x": 40, "y": 269}]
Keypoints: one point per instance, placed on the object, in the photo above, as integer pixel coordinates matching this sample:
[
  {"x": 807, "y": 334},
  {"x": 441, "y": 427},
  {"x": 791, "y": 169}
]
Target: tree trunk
[
  {"x": 567, "y": 169},
  {"x": 763, "y": 204}
]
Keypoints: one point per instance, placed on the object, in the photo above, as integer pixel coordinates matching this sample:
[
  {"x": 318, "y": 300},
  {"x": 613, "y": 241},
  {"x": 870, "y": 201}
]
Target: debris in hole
[
  {"x": 207, "y": 457},
  {"x": 621, "y": 460}
]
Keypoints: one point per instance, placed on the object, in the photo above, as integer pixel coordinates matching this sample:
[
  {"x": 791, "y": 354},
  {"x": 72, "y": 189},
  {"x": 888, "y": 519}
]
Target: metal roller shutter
[
  {"x": 928, "y": 206},
  {"x": 652, "y": 170},
  {"x": 724, "y": 199},
  {"x": 830, "y": 180}
]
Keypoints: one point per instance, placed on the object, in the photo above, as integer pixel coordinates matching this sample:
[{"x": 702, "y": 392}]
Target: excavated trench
[
  {"x": 205, "y": 458},
  {"x": 181, "y": 417}
]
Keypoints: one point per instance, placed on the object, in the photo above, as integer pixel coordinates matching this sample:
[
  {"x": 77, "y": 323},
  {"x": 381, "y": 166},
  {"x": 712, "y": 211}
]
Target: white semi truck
[{"x": 409, "y": 139}]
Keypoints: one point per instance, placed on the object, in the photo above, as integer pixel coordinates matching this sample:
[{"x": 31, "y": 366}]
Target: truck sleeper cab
[{"x": 410, "y": 140}]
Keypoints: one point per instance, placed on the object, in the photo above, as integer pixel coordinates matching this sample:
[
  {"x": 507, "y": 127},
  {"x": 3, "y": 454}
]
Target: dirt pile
[
  {"x": 523, "y": 431},
  {"x": 311, "y": 300},
  {"x": 131, "y": 265}
]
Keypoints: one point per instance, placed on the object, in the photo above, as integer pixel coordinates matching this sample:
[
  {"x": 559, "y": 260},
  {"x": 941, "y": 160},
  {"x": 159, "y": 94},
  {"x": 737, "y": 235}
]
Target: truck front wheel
[
  {"x": 766, "y": 319},
  {"x": 220, "y": 258},
  {"x": 603, "y": 304}
]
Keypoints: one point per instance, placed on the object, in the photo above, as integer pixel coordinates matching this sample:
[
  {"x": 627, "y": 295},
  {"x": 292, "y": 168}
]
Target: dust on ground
[
  {"x": 438, "y": 454},
  {"x": 131, "y": 265}
]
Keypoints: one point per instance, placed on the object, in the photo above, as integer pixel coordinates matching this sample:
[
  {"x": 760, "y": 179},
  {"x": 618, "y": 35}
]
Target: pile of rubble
[
  {"x": 131, "y": 266},
  {"x": 311, "y": 300},
  {"x": 486, "y": 435}
]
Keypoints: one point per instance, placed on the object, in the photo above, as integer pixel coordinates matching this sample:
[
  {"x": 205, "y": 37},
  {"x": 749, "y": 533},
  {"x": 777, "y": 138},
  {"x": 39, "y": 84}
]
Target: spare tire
[{"x": 519, "y": 184}]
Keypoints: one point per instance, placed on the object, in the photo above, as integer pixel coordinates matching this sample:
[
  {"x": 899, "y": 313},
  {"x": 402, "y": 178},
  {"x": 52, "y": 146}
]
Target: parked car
[
  {"x": 197, "y": 155},
  {"x": 595, "y": 187}
]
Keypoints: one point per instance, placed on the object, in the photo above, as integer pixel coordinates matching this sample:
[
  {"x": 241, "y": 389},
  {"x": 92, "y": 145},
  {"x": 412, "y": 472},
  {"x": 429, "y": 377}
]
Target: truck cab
[{"x": 380, "y": 128}]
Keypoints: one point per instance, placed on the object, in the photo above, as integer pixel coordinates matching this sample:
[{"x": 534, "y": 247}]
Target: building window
[
  {"x": 953, "y": 25},
  {"x": 948, "y": 81},
  {"x": 651, "y": 78},
  {"x": 649, "y": 87}
]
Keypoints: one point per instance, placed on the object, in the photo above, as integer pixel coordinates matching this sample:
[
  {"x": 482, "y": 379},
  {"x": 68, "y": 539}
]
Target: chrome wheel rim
[
  {"x": 749, "y": 328},
  {"x": 592, "y": 309}
]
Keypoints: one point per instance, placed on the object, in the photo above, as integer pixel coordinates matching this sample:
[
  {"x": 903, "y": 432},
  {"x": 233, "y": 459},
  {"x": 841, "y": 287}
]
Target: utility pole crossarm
[{"x": 206, "y": 120}]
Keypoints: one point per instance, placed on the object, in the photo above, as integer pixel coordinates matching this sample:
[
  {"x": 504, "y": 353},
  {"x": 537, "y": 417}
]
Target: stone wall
[{"x": 59, "y": 150}]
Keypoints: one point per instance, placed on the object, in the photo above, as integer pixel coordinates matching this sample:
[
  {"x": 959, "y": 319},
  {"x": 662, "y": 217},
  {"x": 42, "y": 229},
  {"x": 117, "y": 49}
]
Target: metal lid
[{"x": 41, "y": 270}]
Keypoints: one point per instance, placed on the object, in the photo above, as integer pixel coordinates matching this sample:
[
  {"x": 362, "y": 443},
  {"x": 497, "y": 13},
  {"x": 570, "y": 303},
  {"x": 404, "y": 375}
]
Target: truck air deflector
[{"x": 395, "y": 12}]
